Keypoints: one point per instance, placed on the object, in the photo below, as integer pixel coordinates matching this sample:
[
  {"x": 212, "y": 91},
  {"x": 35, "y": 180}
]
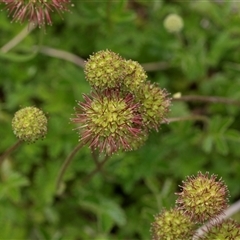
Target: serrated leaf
[{"x": 233, "y": 135}]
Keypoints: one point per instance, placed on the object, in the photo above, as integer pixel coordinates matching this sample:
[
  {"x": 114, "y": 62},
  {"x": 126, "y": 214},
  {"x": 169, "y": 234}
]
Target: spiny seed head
[
  {"x": 172, "y": 225},
  {"x": 135, "y": 75},
  {"x": 104, "y": 69},
  {"x": 228, "y": 229},
  {"x": 203, "y": 197},
  {"x": 35, "y": 11},
  {"x": 139, "y": 141},
  {"x": 108, "y": 120},
  {"x": 29, "y": 124},
  {"x": 173, "y": 23},
  {"x": 154, "y": 104}
]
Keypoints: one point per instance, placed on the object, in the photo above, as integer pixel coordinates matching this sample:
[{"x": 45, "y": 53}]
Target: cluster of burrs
[
  {"x": 122, "y": 107},
  {"x": 203, "y": 198}
]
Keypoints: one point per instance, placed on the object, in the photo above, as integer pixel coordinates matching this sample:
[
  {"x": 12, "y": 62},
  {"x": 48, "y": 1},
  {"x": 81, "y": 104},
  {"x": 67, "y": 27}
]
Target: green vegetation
[{"x": 197, "y": 61}]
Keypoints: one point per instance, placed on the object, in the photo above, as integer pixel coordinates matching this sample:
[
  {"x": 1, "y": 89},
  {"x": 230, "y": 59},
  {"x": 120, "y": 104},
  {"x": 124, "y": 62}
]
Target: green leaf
[
  {"x": 109, "y": 211},
  {"x": 10, "y": 187},
  {"x": 221, "y": 145},
  {"x": 207, "y": 144},
  {"x": 113, "y": 210},
  {"x": 233, "y": 135}
]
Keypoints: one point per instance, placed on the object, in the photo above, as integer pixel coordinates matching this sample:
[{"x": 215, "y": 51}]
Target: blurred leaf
[
  {"x": 12, "y": 183},
  {"x": 106, "y": 208}
]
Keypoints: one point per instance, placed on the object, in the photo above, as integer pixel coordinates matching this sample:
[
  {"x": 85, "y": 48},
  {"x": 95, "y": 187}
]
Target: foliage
[{"x": 119, "y": 202}]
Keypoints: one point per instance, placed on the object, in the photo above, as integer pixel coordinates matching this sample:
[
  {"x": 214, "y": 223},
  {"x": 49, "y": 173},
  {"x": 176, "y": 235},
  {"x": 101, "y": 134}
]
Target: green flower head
[
  {"x": 203, "y": 197},
  {"x": 173, "y": 23},
  {"x": 109, "y": 120},
  {"x": 154, "y": 104},
  {"x": 135, "y": 75},
  {"x": 29, "y": 124},
  {"x": 172, "y": 225},
  {"x": 228, "y": 229},
  {"x": 105, "y": 69}
]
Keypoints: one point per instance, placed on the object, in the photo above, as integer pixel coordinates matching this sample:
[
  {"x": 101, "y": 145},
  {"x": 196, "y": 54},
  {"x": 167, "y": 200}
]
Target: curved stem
[
  {"x": 52, "y": 52},
  {"x": 9, "y": 151},
  {"x": 234, "y": 208},
  {"x": 57, "y": 53},
  {"x": 211, "y": 99},
  {"x": 18, "y": 38},
  {"x": 66, "y": 164}
]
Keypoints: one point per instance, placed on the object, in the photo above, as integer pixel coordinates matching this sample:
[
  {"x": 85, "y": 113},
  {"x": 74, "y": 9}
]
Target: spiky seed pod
[
  {"x": 135, "y": 75},
  {"x": 154, "y": 104},
  {"x": 108, "y": 121},
  {"x": 139, "y": 141},
  {"x": 228, "y": 229},
  {"x": 29, "y": 124},
  {"x": 172, "y": 225},
  {"x": 203, "y": 197},
  {"x": 104, "y": 69},
  {"x": 35, "y": 11},
  {"x": 173, "y": 23}
]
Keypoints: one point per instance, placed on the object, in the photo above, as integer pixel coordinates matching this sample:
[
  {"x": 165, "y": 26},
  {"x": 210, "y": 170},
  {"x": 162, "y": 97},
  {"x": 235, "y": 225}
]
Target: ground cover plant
[{"x": 163, "y": 76}]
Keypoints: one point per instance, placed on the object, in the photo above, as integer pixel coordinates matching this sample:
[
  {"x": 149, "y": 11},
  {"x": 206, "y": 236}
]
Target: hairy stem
[
  {"x": 65, "y": 165},
  {"x": 9, "y": 151}
]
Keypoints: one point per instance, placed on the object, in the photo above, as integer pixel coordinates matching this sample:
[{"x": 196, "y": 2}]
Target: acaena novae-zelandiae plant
[
  {"x": 227, "y": 229},
  {"x": 173, "y": 23},
  {"x": 114, "y": 114},
  {"x": 37, "y": 12},
  {"x": 29, "y": 124},
  {"x": 122, "y": 108},
  {"x": 203, "y": 198},
  {"x": 172, "y": 224}
]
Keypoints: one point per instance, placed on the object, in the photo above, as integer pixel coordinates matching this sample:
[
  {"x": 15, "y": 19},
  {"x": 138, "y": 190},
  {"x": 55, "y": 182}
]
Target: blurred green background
[{"x": 202, "y": 59}]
